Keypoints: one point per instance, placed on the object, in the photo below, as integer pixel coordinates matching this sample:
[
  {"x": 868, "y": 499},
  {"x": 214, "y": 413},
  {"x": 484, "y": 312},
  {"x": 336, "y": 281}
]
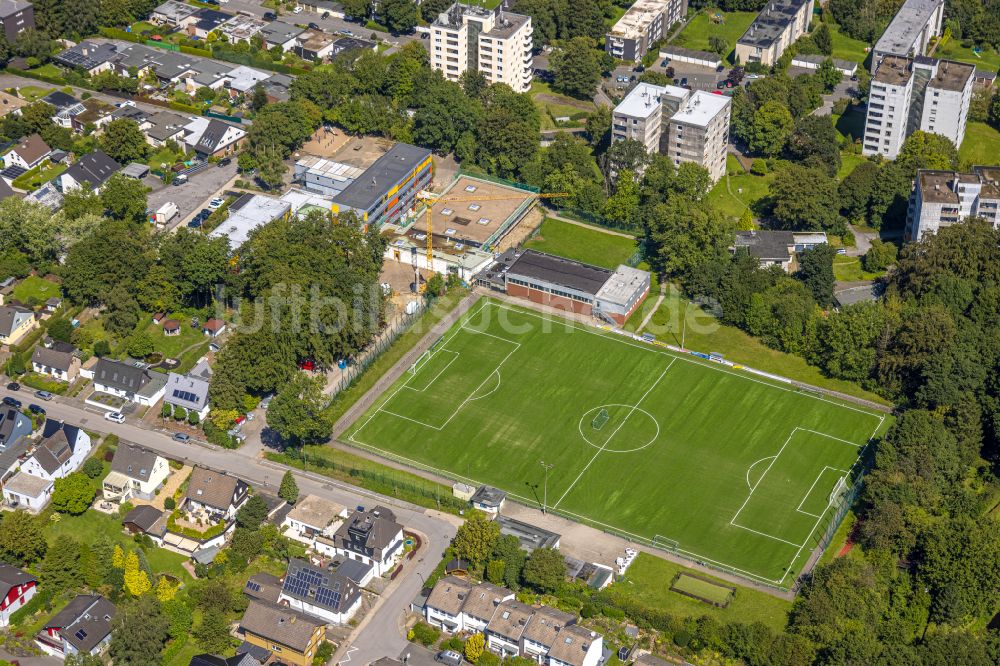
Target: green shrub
[
  {"x": 682, "y": 638},
  {"x": 169, "y": 503},
  {"x": 424, "y": 634},
  {"x": 848, "y": 239},
  {"x": 93, "y": 468},
  {"x": 759, "y": 168}
]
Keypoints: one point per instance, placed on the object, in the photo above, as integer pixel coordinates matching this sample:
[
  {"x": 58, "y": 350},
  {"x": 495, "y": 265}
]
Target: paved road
[
  {"x": 380, "y": 635},
  {"x": 195, "y": 194}
]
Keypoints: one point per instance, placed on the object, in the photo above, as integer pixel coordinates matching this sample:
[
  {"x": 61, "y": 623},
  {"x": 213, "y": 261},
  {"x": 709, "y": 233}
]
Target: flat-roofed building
[
  {"x": 494, "y": 42},
  {"x": 388, "y": 189},
  {"x": 943, "y": 198},
  {"x": 324, "y": 176},
  {"x": 910, "y": 94},
  {"x": 777, "y": 248},
  {"x": 778, "y": 25},
  {"x": 645, "y": 23},
  {"x": 911, "y": 29}
]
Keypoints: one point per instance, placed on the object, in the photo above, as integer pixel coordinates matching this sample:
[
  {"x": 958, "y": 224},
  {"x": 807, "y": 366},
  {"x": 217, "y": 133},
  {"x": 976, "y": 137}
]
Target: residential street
[{"x": 379, "y": 634}]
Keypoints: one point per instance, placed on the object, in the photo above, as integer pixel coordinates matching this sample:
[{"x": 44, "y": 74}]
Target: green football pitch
[{"x": 712, "y": 462}]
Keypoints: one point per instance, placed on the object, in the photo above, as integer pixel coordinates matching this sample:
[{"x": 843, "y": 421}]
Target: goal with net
[
  {"x": 600, "y": 419},
  {"x": 839, "y": 489},
  {"x": 421, "y": 362}
]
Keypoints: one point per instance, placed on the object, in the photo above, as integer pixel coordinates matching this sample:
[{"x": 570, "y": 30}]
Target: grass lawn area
[
  {"x": 139, "y": 26},
  {"x": 38, "y": 176},
  {"x": 705, "y": 589},
  {"x": 847, "y": 48},
  {"x": 953, "y": 50},
  {"x": 47, "y": 69},
  {"x": 35, "y": 288},
  {"x": 848, "y": 269},
  {"x": 647, "y": 443},
  {"x": 552, "y": 105},
  {"x": 742, "y": 191},
  {"x": 848, "y": 163},
  {"x": 981, "y": 145},
  {"x": 648, "y": 581},
  {"x": 851, "y": 125},
  {"x": 617, "y": 11},
  {"x": 172, "y": 346},
  {"x": 582, "y": 244},
  {"x": 33, "y": 93},
  {"x": 162, "y": 156},
  {"x": 705, "y": 334},
  {"x": 695, "y": 35}
]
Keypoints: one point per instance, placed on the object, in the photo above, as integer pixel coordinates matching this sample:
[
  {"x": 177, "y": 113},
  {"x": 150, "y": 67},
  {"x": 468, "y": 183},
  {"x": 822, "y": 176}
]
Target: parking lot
[{"x": 194, "y": 195}]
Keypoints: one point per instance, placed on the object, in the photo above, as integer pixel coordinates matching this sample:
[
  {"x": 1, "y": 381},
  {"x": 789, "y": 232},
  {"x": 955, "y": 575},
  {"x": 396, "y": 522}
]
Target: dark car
[
  {"x": 36, "y": 409},
  {"x": 13, "y": 402},
  {"x": 720, "y": 68},
  {"x": 314, "y": 26},
  {"x": 640, "y": 68},
  {"x": 684, "y": 82},
  {"x": 270, "y": 16},
  {"x": 721, "y": 84},
  {"x": 325, "y": 15},
  {"x": 13, "y": 386},
  {"x": 225, "y": 161}
]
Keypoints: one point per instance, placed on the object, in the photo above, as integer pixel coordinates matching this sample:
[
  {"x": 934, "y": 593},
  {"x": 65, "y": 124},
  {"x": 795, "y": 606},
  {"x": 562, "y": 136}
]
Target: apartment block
[
  {"x": 910, "y": 94},
  {"x": 778, "y": 25},
  {"x": 645, "y": 23},
  {"x": 684, "y": 125},
  {"x": 943, "y": 198},
  {"x": 911, "y": 29},
  {"x": 494, "y": 42},
  {"x": 16, "y": 16}
]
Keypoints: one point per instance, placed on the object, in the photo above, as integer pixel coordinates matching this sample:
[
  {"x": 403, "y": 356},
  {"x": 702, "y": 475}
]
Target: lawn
[
  {"x": 849, "y": 162},
  {"x": 34, "y": 178},
  {"x": 847, "y": 48},
  {"x": 552, "y": 105},
  {"x": 715, "y": 464},
  {"x": 582, "y": 244},
  {"x": 743, "y": 189},
  {"x": 172, "y": 346},
  {"x": 705, "y": 333},
  {"x": 695, "y": 35},
  {"x": 953, "y": 50},
  {"x": 848, "y": 269},
  {"x": 851, "y": 125},
  {"x": 648, "y": 581},
  {"x": 33, "y": 93},
  {"x": 48, "y": 69},
  {"x": 980, "y": 146},
  {"x": 34, "y": 289},
  {"x": 163, "y": 156}
]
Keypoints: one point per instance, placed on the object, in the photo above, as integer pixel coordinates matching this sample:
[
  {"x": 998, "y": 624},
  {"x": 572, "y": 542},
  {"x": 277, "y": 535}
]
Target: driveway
[{"x": 195, "y": 194}]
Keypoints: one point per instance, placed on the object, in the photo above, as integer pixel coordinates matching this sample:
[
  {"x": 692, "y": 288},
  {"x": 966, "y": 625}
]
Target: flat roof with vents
[{"x": 475, "y": 211}]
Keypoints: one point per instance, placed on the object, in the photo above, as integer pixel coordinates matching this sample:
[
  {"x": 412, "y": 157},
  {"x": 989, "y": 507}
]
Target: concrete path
[
  {"x": 593, "y": 227},
  {"x": 656, "y": 306}
]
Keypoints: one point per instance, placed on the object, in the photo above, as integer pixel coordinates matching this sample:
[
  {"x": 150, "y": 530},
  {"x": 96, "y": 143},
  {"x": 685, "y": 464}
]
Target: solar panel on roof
[{"x": 253, "y": 585}]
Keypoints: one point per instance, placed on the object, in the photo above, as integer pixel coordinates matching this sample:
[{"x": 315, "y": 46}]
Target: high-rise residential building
[
  {"x": 16, "y": 16},
  {"x": 645, "y": 23},
  {"x": 911, "y": 30},
  {"x": 496, "y": 43},
  {"x": 684, "y": 125},
  {"x": 910, "y": 94},
  {"x": 943, "y": 198},
  {"x": 778, "y": 25}
]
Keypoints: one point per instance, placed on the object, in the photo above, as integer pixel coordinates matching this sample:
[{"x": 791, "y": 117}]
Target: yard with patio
[
  {"x": 173, "y": 346},
  {"x": 32, "y": 179},
  {"x": 714, "y": 22}
]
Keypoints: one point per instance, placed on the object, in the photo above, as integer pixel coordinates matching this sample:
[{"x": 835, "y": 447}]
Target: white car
[
  {"x": 117, "y": 417},
  {"x": 297, "y": 10},
  {"x": 216, "y": 203}
]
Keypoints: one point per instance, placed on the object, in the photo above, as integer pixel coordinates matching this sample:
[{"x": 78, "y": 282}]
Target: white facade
[
  {"x": 911, "y": 29},
  {"x": 81, "y": 449},
  {"x": 319, "y": 611},
  {"x": 943, "y": 198},
  {"x": 916, "y": 94},
  {"x": 496, "y": 43},
  {"x": 645, "y": 23}
]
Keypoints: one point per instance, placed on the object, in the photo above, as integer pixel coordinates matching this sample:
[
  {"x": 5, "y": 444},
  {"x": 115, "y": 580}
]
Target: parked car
[
  {"x": 720, "y": 68},
  {"x": 449, "y": 658},
  {"x": 721, "y": 84},
  {"x": 181, "y": 437},
  {"x": 346, "y": 32},
  {"x": 216, "y": 203},
  {"x": 35, "y": 409},
  {"x": 225, "y": 161},
  {"x": 270, "y": 16},
  {"x": 297, "y": 10},
  {"x": 13, "y": 386},
  {"x": 116, "y": 417},
  {"x": 325, "y": 15},
  {"x": 753, "y": 77},
  {"x": 684, "y": 82},
  {"x": 639, "y": 68},
  {"x": 314, "y": 26},
  {"x": 265, "y": 402},
  {"x": 841, "y": 250},
  {"x": 43, "y": 395},
  {"x": 180, "y": 179},
  {"x": 13, "y": 402}
]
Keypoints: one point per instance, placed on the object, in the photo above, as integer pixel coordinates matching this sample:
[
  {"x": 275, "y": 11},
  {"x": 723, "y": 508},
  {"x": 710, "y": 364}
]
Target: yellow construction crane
[{"x": 429, "y": 199}]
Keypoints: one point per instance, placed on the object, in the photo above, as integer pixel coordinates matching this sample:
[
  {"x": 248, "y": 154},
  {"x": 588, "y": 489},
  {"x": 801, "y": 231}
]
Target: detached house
[
  {"x": 82, "y": 627},
  {"x": 133, "y": 382},
  {"x": 210, "y": 137},
  {"x": 135, "y": 473},
  {"x": 190, "y": 391},
  {"x": 214, "y": 493},
  {"x": 13, "y": 426},
  {"x": 15, "y": 322},
  {"x": 373, "y": 538},
  {"x": 61, "y": 365},
  {"x": 331, "y": 596},
  {"x": 28, "y": 153},
  {"x": 313, "y": 517},
  {"x": 61, "y": 452},
  {"x": 290, "y": 636},
  {"x": 16, "y": 589},
  {"x": 93, "y": 169}
]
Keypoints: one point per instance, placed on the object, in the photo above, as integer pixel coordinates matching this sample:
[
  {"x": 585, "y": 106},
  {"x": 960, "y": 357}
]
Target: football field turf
[{"x": 715, "y": 463}]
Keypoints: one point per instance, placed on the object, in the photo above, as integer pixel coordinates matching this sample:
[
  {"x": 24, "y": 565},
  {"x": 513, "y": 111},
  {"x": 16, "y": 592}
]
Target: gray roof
[
  {"x": 53, "y": 452},
  {"x": 121, "y": 376},
  {"x": 12, "y": 577},
  {"x": 449, "y": 595},
  {"x": 175, "y": 11},
  {"x": 374, "y": 530},
  {"x": 771, "y": 22},
  {"x": 135, "y": 170},
  {"x": 531, "y": 537},
  {"x": 94, "y": 168},
  {"x": 166, "y": 125},
  {"x": 32, "y": 148},
  {"x": 559, "y": 271},
  {"x": 280, "y": 625},
  {"x": 212, "y": 488},
  {"x": 906, "y": 26},
  {"x": 330, "y": 590},
  {"x": 489, "y": 496},
  {"x": 60, "y": 100},
  {"x": 387, "y": 171},
  {"x": 263, "y": 586},
  {"x": 5, "y": 190},
  {"x": 11, "y": 451},
  {"x": 133, "y": 461},
  {"x": 8, "y": 315},
  {"x": 766, "y": 244},
  {"x": 52, "y": 358},
  {"x": 244, "y": 659},
  {"x": 211, "y": 139},
  {"x": 8, "y": 7},
  {"x": 144, "y": 517},
  {"x": 87, "y": 55},
  {"x": 84, "y": 622},
  {"x": 188, "y": 391},
  {"x": 280, "y": 32}
]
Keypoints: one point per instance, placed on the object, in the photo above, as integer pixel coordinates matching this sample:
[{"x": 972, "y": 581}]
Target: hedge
[
  {"x": 187, "y": 108},
  {"x": 209, "y": 533},
  {"x": 55, "y": 80}
]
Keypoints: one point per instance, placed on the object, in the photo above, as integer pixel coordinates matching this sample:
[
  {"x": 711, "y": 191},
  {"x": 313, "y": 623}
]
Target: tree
[
  {"x": 123, "y": 141},
  {"x": 252, "y": 513},
  {"x": 80, "y": 202},
  {"x": 814, "y": 143},
  {"x": 828, "y": 75},
  {"x": 297, "y": 412},
  {"x": 599, "y": 127},
  {"x": 60, "y": 329},
  {"x": 880, "y": 256},
  {"x": 476, "y": 538},
  {"x": 140, "y": 345},
  {"x": 356, "y": 9},
  {"x": 508, "y": 551},
  {"x": 823, "y": 39},
  {"x": 400, "y": 16},
  {"x": 139, "y": 632},
  {"x": 772, "y": 123},
  {"x": 624, "y": 204},
  {"x": 746, "y": 221},
  {"x": 258, "y": 99},
  {"x": 494, "y": 571},
  {"x": 21, "y": 538},
  {"x": 545, "y": 570},
  {"x": 124, "y": 198},
  {"x": 289, "y": 489},
  {"x": 682, "y": 235},
  {"x": 136, "y": 580},
  {"x": 212, "y": 633},
  {"x": 72, "y": 494},
  {"x": 805, "y": 198},
  {"x": 474, "y": 647},
  {"x": 93, "y": 468},
  {"x": 576, "y": 69},
  {"x": 924, "y": 150},
  {"x": 626, "y": 155},
  {"x": 718, "y": 44},
  {"x": 61, "y": 567},
  {"x": 816, "y": 271}
]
